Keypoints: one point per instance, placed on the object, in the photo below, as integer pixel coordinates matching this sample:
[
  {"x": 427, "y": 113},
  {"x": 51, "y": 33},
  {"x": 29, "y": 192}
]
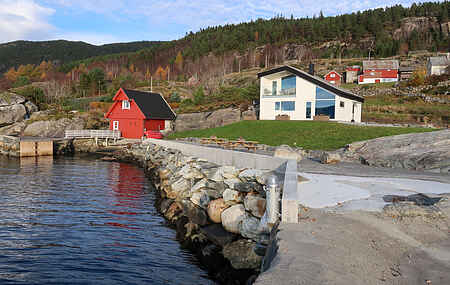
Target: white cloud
[{"x": 24, "y": 19}]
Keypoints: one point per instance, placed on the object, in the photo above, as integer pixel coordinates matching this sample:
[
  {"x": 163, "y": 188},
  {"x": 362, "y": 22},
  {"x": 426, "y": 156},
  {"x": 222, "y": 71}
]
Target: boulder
[
  {"x": 215, "y": 189},
  {"x": 286, "y": 152},
  {"x": 233, "y": 217},
  {"x": 180, "y": 186},
  {"x": 195, "y": 214},
  {"x": 255, "y": 204},
  {"x": 231, "y": 197},
  {"x": 12, "y": 114},
  {"x": 231, "y": 183},
  {"x": 9, "y": 99},
  {"x": 31, "y": 108},
  {"x": 53, "y": 128},
  {"x": 247, "y": 187},
  {"x": 217, "y": 234},
  {"x": 215, "y": 209},
  {"x": 330, "y": 157},
  {"x": 200, "y": 199},
  {"x": 428, "y": 151},
  {"x": 13, "y": 130},
  {"x": 249, "y": 227},
  {"x": 241, "y": 254},
  {"x": 190, "y": 172},
  {"x": 252, "y": 175}
]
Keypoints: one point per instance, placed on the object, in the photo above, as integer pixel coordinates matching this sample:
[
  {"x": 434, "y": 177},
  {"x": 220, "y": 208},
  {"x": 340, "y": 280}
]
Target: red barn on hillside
[
  {"x": 135, "y": 112},
  {"x": 333, "y": 77},
  {"x": 377, "y": 71}
]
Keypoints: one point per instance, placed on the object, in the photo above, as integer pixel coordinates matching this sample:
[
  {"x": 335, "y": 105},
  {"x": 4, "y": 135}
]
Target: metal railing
[
  {"x": 85, "y": 134},
  {"x": 282, "y": 92}
]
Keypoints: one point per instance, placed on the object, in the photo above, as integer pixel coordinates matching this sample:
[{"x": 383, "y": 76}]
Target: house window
[
  {"x": 277, "y": 106},
  {"x": 341, "y": 104},
  {"x": 325, "y": 103},
  {"x": 332, "y": 75},
  {"x": 274, "y": 88},
  {"x": 125, "y": 104},
  {"x": 115, "y": 125},
  {"x": 288, "y": 82},
  {"x": 288, "y": 106},
  {"x": 308, "y": 110}
]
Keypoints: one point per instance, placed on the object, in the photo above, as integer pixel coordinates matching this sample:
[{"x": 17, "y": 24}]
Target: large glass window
[
  {"x": 308, "y": 110},
  {"x": 325, "y": 103},
  {"x": 288, "y": 106},
  {"x": 274, "y": 88},
  {"x": 288, "y": 82}
]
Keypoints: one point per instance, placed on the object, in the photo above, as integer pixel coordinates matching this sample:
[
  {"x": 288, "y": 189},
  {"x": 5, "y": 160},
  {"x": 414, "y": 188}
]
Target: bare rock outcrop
[
  {"x": 428, "y": 151},
  {"x": 206, "y": 120},
  {"x": 53, "y": 128},
  {"x": 14, "y": 108}
]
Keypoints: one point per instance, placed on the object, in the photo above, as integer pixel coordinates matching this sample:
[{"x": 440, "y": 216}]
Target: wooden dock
[{"x": 93, "y": 134}]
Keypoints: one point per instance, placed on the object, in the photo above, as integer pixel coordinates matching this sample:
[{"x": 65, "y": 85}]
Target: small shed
[
  {"x": 405, "y": 72},
  {"x": 333, "y": 77},
  {"x": 134, "y": 112},
  {"x": 351, "y": 73}
]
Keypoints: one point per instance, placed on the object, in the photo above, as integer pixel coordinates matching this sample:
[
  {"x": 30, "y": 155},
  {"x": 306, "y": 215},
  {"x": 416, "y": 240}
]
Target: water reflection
[{"x": 66, "y": 221}]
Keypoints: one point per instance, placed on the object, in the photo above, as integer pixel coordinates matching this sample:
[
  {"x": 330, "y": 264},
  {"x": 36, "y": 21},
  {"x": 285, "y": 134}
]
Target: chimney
[{"x": 311, "y": 68}]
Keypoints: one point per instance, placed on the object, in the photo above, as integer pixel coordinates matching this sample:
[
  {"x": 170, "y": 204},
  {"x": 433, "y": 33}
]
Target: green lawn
[{"x": 306, "y": 134}]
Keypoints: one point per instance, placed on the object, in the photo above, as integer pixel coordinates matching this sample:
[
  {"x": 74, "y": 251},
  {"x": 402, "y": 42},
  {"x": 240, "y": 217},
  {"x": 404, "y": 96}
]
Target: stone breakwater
[
  {"x": 10, "y": 146},
  {"x": 215, "y": 209}
]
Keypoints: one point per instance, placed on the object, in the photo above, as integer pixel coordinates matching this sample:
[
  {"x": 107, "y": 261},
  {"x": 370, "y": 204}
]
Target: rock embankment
[
  {"x": 421, "y": 151},
  {"x": 216, "y": 209}
]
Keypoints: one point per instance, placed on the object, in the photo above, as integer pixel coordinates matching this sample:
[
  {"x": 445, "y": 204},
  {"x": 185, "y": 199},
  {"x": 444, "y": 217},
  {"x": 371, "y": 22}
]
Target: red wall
[
  {"x": 154, "y": 125},
  {"x": 129, "y": 128}
]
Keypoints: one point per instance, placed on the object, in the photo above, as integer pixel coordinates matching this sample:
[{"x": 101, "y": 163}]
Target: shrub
[
  {"x": 21, "y": 81},
  {"x": 199, "y": 96},
  {"x": 35, "y": 95}
]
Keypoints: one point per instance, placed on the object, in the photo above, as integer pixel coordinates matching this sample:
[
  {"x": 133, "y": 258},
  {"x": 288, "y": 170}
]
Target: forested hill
[
  {"x": 215, "y": 51},
  {"x": 18, "y": 53}
]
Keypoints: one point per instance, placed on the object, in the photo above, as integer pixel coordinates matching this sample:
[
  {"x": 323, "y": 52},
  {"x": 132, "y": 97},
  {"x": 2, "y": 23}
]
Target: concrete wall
[
  {"x": 305, "y": 92},
  {"x": 288, "y": 169}
]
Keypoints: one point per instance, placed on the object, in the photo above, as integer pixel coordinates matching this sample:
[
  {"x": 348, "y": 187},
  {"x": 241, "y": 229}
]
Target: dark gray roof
[
  {"x": 152, "y": 105},
  {"x": 315, "y": 80},
  {"x": 380, "y": 64}
]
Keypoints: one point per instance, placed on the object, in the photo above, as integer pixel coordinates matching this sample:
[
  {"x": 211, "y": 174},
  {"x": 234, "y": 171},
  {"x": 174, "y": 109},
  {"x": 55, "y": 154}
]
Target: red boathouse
[{"x": 134, "y": 112}]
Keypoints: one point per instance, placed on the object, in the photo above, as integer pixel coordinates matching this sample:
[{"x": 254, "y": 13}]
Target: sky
[{"x": 109, "y": 21}]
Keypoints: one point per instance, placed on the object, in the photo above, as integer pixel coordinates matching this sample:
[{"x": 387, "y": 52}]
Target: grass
[{"x": 306, "y": 134}]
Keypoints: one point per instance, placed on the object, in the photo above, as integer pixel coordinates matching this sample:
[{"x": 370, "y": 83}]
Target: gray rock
[
  {"x": 196, "y": 214},
  {"x": 12, "y": 114},
  {"x": 247, "y": 187},
  {"x": 286, "y": 152},
  {"x": 178, "y": 187},
  {"x": 255, "y": 204},
  {"x": 249, "y": 115},
  {"x": 252, "y": 175},
  {"x": 420, "y": 151},
  {"x": 217, "y": 234},
  {"x": 249, "y": 227},
  {"x": 232, "y": 182},
  {"x": 206, "y": 120},
  {"x": 232, "y": 196},
  {"x": 215, "y": 189},
  {"x": 241, "y": 254},
  {"x": 9, "y": 99},
  {"x": 201, "y": 199},
  {"x": 53, "y": 128},
  {"x": 190, "y": 172},
  {"x": 233, "y": 217},
  {"x": 15, "y": 129}
]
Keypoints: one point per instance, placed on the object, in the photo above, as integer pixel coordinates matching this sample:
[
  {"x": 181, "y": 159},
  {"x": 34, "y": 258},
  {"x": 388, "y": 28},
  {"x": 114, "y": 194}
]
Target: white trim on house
[
  {"x": 125, "y": 105},
  {"x": 115, "y": 125}
]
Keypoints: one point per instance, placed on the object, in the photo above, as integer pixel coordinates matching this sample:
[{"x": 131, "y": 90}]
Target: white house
[
  {"x": 301, "y": 96},
  {"x": 437, "y": 65}
]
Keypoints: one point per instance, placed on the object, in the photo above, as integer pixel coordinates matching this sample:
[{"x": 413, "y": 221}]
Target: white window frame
[
  {"x": 125, "y": 105},
  {"x": 115, "y": 125},
  {"x": 332, "y": 75}
]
